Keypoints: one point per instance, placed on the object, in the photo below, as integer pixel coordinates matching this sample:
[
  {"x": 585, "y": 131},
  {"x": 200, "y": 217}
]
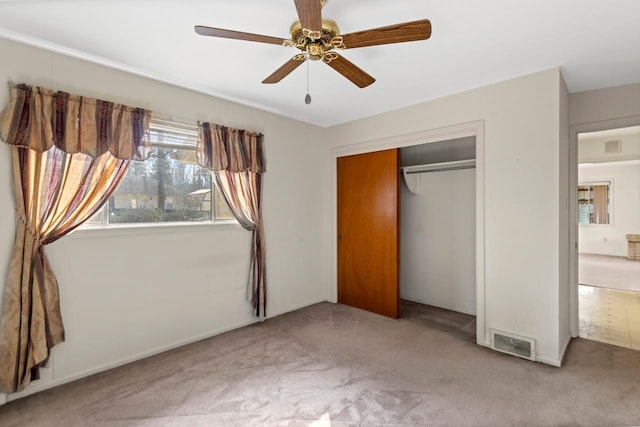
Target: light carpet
[
  {"x": 609, "y": 272},
  {"x": 330, "y": 364}
]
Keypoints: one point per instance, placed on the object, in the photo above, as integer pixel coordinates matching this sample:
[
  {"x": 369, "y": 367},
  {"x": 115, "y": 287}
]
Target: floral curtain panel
[
  {"x": 69, "y": 154},
  {"x": 237, "y": 162}
]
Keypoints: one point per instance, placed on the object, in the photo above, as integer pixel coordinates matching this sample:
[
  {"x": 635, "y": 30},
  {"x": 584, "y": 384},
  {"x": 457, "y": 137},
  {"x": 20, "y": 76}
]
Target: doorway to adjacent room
[{"x": 608, "y": 216}]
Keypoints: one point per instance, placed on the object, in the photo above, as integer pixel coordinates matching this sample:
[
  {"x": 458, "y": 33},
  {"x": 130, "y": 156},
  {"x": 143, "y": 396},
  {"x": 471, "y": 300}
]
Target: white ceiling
[
  {"x": 474, "y": 43},
  {"x": 604, "y": 135}
]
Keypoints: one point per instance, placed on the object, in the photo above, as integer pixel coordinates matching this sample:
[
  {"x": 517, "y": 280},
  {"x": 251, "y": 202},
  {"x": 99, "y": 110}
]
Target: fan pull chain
[{"x": 307, "y": 99}]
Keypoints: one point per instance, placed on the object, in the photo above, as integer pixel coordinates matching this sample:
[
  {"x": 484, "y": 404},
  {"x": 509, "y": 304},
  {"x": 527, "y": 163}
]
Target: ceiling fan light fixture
[
  {"x": 315, "y": 52},
  {"x": 318, "y": 38}
]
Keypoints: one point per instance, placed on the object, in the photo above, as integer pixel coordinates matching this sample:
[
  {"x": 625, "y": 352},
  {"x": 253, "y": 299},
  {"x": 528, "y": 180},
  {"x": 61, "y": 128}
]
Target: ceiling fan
[{"x": 318, "y": 38}]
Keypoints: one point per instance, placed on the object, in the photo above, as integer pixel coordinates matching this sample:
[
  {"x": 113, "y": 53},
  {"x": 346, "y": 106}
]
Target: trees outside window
[{"x": 168, "y": 187}]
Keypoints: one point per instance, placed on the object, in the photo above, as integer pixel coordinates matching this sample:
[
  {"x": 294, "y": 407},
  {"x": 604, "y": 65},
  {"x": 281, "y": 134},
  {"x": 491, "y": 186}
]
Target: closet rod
[
  {"x": 438, "y": 167},
  {"x": 452, "y": 168}
]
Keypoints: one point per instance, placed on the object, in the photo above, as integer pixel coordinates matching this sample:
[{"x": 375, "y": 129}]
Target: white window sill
[
  {"x": 116, "y": 230},
  {"x": 596, "y": 225}
]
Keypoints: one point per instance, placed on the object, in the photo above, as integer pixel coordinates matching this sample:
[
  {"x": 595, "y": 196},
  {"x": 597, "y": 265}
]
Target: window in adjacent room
[
  {"x": 594, "y": 202},
  {"x": 169, "y": 187}
]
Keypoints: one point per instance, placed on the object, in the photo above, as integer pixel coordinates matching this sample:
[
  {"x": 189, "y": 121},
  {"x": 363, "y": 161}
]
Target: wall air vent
[
  {"x": 513, "y": 344},
  {"x": 613, "y": 146}
]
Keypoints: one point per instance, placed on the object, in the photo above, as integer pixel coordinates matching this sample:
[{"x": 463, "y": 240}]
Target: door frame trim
[
  {"x": 476, "y": 129},
  {"x": 574, "y": 235}
]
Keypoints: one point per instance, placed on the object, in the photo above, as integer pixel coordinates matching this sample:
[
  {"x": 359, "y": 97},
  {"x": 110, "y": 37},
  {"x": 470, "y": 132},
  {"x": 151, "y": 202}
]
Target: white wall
[
  {"x": 591, "y": 149},
  {"x": 522, "y": 194},
  {"x": 610, "y": 239},
  {"x": 438, "y": 241},
  {"x": 129, "y": 293},
  {"x": 601, "y": 105}
]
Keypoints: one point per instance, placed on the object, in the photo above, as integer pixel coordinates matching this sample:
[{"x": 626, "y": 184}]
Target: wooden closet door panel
[{"x": 368, "y": 232}]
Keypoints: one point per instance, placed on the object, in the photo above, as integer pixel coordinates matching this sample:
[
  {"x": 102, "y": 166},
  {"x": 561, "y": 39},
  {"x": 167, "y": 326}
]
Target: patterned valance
[
  {"x": 221, "y": 148},
  {"x": 39, "y": 118}
]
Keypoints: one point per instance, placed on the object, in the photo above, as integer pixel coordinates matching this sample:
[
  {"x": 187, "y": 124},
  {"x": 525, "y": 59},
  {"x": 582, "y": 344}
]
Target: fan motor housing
[{"x": 315, "y": 44}]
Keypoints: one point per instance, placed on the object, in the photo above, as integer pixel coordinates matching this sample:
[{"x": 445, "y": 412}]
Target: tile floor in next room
[{"x": 609, "y": 315}]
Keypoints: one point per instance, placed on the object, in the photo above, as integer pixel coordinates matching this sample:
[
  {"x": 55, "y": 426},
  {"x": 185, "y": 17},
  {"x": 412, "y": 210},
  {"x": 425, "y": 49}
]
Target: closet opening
[
  {"x": 440, "y": 145},
  {"x": 438, "y": 234}
]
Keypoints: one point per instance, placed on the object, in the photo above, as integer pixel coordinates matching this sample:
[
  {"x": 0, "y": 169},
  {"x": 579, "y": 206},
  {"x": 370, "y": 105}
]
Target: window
[
  {"x": 594, "y": 203},
  {"x": 169, "y": 187}
]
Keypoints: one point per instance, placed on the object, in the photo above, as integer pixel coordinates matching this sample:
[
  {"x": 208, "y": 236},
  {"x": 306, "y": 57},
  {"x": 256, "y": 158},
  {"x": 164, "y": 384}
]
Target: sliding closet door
[{"x": 368, "y": 232}]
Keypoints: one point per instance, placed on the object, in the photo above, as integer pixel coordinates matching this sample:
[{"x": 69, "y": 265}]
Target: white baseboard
[
  {"x": 36, "y": 386},
  {"x": 556, "y": 362},
  {"x": 553, "y": 362},
  {"x": 564, "y": 349},
  {"x": 484, "y": 343},
  {"x": 297, "y": 307}
]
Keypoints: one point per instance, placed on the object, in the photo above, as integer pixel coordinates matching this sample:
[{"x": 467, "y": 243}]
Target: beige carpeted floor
[
  {"x": 609, "y": 272},
  {"x": 334, "y": 365}
]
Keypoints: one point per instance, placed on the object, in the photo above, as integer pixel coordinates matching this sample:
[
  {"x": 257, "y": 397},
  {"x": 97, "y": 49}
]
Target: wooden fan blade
[
  {"x": 351, "y": 72},
  {"x": 237, "y": 35},
  {"x": 284, "y": 71},
  {"x": 310, "y": 14},
  {"x": 399, "y": 33}
]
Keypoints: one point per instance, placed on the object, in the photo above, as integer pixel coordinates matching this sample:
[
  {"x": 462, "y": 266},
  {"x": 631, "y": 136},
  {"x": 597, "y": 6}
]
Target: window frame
[
  {"x": 168, "y": 126},
  {"x": 592, "y": 183}
]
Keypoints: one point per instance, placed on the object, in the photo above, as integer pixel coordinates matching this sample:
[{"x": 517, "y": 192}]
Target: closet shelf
[{"x": 410, "y": 173}]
